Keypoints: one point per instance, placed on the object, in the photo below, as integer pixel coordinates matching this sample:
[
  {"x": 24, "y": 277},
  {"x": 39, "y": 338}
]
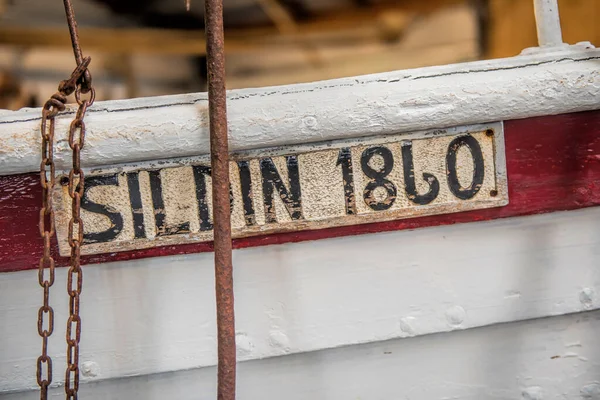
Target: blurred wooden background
[
  {"x": 154, "y": 47},
  {"x": 512, "y": 25}
]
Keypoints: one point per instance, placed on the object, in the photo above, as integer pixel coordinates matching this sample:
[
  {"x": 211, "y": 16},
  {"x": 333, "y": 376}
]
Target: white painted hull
[
  {"x": 553, "y": 358},
  {"x": 157, "y": 316}
]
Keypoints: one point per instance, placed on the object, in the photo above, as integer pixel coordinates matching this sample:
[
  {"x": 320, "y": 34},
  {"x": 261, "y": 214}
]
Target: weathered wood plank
[{"x": 157, "y": 315}]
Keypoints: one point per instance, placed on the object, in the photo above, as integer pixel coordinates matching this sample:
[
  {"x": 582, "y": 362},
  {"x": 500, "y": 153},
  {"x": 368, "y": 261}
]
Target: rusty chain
[
  {"x": 79, "y": 83},
  {"x": 51, "y": 108},
  {"x": 75, "y": 274},
  {"x": 46, "y": 224}
]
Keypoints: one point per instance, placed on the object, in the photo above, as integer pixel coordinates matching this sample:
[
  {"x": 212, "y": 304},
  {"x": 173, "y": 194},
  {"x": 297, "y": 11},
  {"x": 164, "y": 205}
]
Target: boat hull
[{"x": 358, "y": 301}]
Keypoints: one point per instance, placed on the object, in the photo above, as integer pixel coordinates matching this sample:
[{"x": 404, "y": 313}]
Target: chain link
[
  {"x": 80, "y": 82},
  {"x": 46, "y": 271},
  {"x": 46, "y": 268},
  {"x": 75, "y": 237}
]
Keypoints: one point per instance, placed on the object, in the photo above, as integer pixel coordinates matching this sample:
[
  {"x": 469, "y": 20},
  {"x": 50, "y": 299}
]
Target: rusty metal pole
[
  {"x": 219, "y": 157},
  {"x": 73, "y": 31}
]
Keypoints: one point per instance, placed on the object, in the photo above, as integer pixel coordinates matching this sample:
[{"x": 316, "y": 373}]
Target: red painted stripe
[{"x": 553, "y": 164}]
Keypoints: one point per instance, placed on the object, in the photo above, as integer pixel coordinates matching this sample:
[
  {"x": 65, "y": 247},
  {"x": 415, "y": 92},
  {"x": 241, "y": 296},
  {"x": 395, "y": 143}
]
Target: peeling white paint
[
  {"x": 591, "y": 391},
  {"x": 533, "y": 393},
  {"x": 243, "y": 345},
  {"x": 455, "y": 316},
  {"x": 586, "y": 296},
  {"x": 90, "y": 369},
  {"x": 561, "y": 81}
]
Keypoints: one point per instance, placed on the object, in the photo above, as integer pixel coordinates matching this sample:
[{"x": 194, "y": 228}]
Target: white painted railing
[
  {"x": 165, "y": 127},
  {"x": 548, "y": 23}
]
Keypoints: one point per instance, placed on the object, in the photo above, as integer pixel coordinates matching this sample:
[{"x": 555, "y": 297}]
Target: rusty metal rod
[
  {"x": 219, "y": 158},
  {"x": 74, "y": 32}
]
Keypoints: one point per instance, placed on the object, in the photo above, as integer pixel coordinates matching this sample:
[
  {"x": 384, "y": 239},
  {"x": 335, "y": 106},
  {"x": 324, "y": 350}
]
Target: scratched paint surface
[{"x": 295, "y": 188}]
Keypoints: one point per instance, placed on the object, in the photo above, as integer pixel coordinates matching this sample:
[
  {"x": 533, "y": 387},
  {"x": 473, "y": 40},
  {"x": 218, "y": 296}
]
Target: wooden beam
[
  {"x": 352, "y": 26},
  {"x": 286, "y": 24},
  {"x": 281, "y": 17},
  {"x": 155, "y": 41},
  {"x": 110, "y": 40}
]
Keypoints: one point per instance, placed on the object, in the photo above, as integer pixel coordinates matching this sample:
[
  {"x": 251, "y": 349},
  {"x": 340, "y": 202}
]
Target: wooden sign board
[{"x": 304, "y": 187}]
